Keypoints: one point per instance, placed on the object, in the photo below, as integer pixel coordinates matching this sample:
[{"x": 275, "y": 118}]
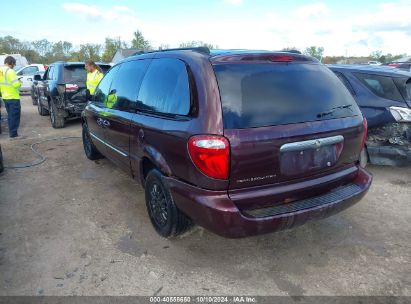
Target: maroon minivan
[{"x": 239, "y": 142}]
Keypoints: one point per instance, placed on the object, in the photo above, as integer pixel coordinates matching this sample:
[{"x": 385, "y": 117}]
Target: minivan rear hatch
[{"x": 287, "y": 118}]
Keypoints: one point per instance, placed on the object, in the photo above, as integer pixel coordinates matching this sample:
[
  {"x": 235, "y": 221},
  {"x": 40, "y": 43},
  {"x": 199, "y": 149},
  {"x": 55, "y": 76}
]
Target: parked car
[
  {"x": 34, "y": 92},
  {"x": 239, "y": 142},
  {"x": 384, "y": 96},
  {"x": 61, "y": 91},
  {"x": 374, "y": 63},
  {"x": 26, "y": 75},
  {"x": 402, "y": 63}
]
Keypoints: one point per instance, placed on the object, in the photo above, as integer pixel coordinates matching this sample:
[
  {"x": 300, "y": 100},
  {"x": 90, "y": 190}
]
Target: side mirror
[{"x": 37, "y": 77}]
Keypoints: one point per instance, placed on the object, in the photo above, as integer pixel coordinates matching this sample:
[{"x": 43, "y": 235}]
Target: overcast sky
[{"x": 341, "y": 27}]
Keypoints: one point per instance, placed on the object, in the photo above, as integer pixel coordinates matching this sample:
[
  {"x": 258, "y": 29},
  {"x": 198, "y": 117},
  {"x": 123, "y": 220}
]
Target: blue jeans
[{"x": 13, "y": 109}]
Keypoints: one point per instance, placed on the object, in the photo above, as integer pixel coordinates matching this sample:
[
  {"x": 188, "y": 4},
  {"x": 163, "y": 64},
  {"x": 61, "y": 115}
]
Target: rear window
[
  {"x": 257, "y": 95},
  {"x": 382, "y": 86},
  {"x": 77, "y": 73}
]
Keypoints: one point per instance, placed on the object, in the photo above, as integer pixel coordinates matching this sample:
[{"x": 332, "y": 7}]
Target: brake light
[
  {"x": 280, "y": 58},
  {"x": 364, "y": 132},
  {"x": 71, "y": 87},
  {"x": 210, "y": 154}
]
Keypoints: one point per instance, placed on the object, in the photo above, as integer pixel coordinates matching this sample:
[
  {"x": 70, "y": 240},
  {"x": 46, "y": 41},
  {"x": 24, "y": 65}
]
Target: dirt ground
[{"x": 75, "y": 227}]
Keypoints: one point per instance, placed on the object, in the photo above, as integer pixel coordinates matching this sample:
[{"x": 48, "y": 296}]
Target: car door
[
  {"x": 43, "y": 89},
  {"x": 26, "y": 76},
  {"x": 162, "y": 116},
  {"x": 96, "y": 111},
  {"x": 120, "y": 108}
]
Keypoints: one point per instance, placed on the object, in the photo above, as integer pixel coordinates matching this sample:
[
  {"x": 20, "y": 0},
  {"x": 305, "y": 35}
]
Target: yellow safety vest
[
  {"x": 111, "y": 100},
  {"x": 9, "y": 84},
  {"x": 93, "y": 79}
]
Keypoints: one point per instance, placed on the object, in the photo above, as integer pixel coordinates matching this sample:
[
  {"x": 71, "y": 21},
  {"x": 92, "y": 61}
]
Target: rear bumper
[
  {"x": 215, "y": 211},
  {"x": 75, "y": 108}
]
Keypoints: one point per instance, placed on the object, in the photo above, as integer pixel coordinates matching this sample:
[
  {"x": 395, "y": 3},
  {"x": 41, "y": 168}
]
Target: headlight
[{"x": 401, "y": 114}]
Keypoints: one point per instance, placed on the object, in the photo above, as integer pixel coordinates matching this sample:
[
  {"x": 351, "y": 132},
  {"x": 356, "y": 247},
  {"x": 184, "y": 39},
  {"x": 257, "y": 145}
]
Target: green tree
[
  {"x": 292, "y": 48},
  {"x": 139, "y": 42},
  {"x": 10, "y": 45},
  {"x": 42, "y": 46},
  {"x": 88, "y": 51},
  {"x": 163, "y": 47},
  {"x": 111, "y": 46},
  {"x": 192, "y": 44},
  {"x": 60, "y": 50},
  {"x": 314, "y": 51}
]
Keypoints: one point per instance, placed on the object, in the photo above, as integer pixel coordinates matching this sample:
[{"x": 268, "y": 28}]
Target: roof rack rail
[
  {"x": 199, "y": 49},
  {"x": 291, "y": 51}
]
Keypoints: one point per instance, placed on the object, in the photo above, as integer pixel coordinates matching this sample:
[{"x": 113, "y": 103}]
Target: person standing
[
  {"x": 9, "y": 87},
  {"x": 94, "y": 75}
]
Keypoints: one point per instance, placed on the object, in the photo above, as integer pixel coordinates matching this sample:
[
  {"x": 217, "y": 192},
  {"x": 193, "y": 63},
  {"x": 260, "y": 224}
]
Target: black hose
[{"x": 41, "y": 157}]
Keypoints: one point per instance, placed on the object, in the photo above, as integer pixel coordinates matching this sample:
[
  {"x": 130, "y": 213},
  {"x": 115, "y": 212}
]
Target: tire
[
  {"x": 364, "y": 157},
  {"x": 164, "y": 215},
  {"x": 89, "y": 149},
  {"x": 57, "y": 122},
  {"x": 34, "y": 98},
  {"x": 42, "y": 111}
]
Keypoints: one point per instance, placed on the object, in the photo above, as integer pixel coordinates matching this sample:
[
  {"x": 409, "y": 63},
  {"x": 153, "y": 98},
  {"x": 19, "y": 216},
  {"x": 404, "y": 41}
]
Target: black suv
[{"x": 61, "y": 91}]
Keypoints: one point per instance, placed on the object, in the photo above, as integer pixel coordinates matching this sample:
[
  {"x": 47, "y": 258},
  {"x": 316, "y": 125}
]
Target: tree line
[{"x": 45, "y": 51}]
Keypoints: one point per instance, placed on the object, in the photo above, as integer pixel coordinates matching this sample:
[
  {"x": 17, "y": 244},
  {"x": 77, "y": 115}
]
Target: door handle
[
  {"x": 100, "y": 122},
  {"x": 141, "y": 135},
  {"x": 106, "y": 123}
]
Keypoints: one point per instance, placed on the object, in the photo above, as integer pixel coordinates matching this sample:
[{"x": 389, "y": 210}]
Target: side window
[
  {"x": 50, "y": 73},
  {"x": 382, "y": 86},
  {"x": 103, "y": 88},
  {"x": 165, "y": 88},
  {"x": 29, "y": 71},
  {"x": 125, "y": 86},
  {"x": 345, "y": 81}
]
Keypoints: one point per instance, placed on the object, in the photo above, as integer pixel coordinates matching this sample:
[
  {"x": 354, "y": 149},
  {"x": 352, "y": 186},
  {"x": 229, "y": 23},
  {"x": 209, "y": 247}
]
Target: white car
[
  {"x": 374, "y": 63},
  {"x": 26, "y": 75}
]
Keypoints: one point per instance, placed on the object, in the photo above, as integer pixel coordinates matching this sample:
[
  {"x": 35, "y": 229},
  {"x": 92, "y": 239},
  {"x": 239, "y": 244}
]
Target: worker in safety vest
[
  {"x": 94, "y": 75},
  {"x": 9, "y": 87}
]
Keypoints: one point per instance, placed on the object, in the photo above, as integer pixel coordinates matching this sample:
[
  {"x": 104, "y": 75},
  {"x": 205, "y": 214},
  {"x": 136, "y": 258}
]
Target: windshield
[{"x": 257, "y": 95}]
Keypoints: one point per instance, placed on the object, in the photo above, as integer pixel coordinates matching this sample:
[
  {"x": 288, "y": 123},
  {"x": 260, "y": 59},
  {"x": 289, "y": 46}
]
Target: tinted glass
[
  {"x": 382, "y": 86},
  {"x": 30, "y": 71},
  {"x": 78, "y": 73},
  {"x": 103, "y": 89},
  {"x": 165, "y": 88},
  {"x": 74, "y": 73},
  {"x": 409, "y": 89},
  {"x": 257, "y": 95},
  {"x": 127, "y": 83},
  {"x": 345, "y": 82},
  {"x": 50, "y": 72}
]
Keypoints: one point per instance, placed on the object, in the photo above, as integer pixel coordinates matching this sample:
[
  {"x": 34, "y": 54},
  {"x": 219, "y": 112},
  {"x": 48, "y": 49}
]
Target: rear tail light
[
  {"x": 71, "y": 87},
  {"x": 211, "y": 155},
  {"x": 364, "y": 132}
]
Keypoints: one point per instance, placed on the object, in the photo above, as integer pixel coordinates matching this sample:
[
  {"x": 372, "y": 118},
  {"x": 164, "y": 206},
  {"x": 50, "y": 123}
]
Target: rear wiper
[{"x": 332, "y": 110}]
